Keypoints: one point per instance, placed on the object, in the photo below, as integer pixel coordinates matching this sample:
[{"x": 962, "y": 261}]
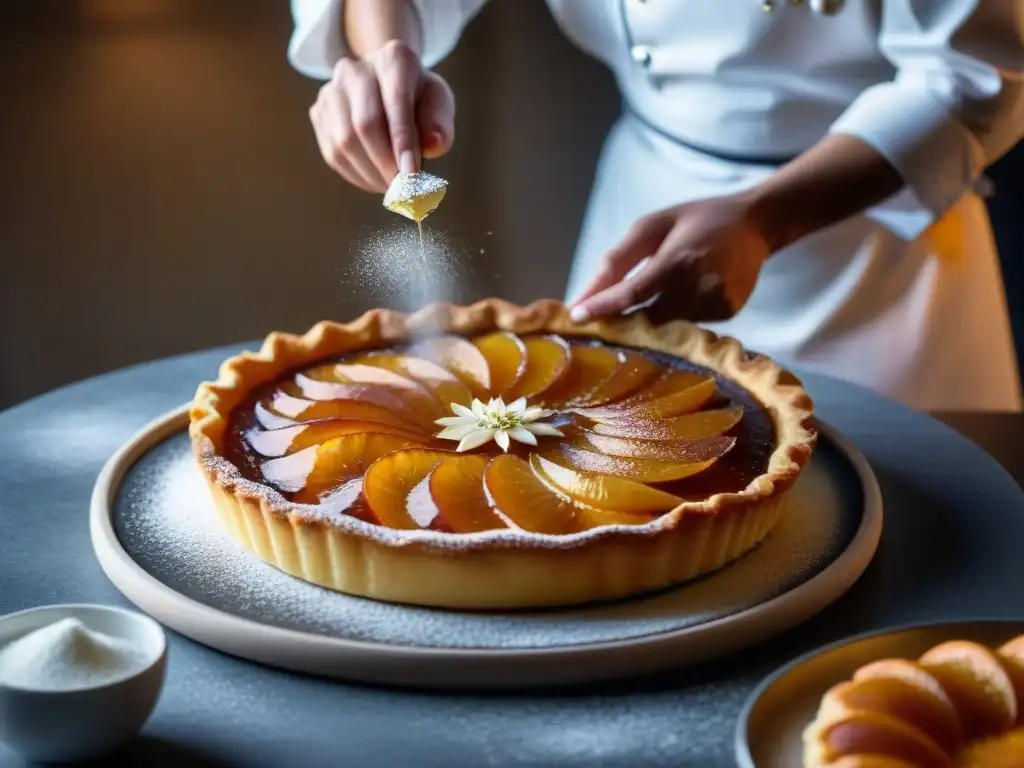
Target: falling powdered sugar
[{"x": 402, "y": 271}]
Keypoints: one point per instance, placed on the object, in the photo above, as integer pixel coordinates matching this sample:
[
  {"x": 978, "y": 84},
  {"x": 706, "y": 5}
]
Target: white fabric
[{"x": 906, "y": 299}]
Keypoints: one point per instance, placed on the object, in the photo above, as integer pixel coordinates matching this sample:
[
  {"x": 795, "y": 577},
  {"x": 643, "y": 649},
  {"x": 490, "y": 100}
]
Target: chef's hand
[
  {"x": 705, "y": 258},
  {"x": 380, "y": 114}
]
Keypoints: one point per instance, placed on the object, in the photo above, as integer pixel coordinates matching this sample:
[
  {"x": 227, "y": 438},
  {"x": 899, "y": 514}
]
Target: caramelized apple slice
[
  {"x": 633, "y": 373},
  {"x": 605, "y": 492},
  {"x": 267, "y": 419},
  {"x": 397, "y": 488},
  {"x": 977, "y": 682},
  {"x": 657, "y": 450},
  {"x": 874, "y": 733},
  {"x": 523, "y": 501},
  {"x": 998, "y": 752},
  {"x": 332, "y": 471},
  {"x": 302, "y": 409},
  {"x": 689, "y": 427},
  {"x": 405, "y": 387},
  {"x": 590, "y": 367},
  {"x": 459, "y": 356},
  {"x": 457, "y": 491},
  {"x": 652, "y": 409},
  {"x": 908, "y": 702},
  {"x": 547, "y": 360},
  {"x": 1012, "y": 656},
  {"x": 925, "y": 703},
  {"x": 416, "y": 405},
  {"x": 443, "y": 384},
  {"x": 506, "y": 359},
  {"x": 640, "y": 470},
  {"x": 668, "y": 384},
  {"x": 279, "y": 442}
]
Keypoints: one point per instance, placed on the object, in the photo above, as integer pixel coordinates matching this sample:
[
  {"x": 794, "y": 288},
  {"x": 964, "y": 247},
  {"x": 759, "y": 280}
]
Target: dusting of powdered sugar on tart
[{"x": 166, "y": 522}]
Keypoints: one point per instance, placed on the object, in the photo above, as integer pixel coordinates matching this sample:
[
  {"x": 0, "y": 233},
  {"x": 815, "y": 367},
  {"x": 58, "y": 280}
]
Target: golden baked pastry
[
  {"x": 497, "y": 456},
  {"x": 960, "y": 705}
]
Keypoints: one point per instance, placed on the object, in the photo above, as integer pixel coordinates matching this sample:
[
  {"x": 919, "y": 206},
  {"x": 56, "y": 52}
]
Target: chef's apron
[{"x": 923, "y": 322}]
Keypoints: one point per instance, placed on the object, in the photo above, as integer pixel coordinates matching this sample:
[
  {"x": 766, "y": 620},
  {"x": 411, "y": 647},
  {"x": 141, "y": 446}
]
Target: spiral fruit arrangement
[
  {"x": 960, "y": 705},
  {"x": 530, "y": 432}
]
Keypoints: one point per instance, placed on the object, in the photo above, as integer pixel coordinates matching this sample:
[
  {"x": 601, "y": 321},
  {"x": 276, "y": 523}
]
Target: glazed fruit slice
[
  {"x": 330, "y": 473},
  {"x": 924, "y": 704},
  {"x": 302, "y": 409},
  {"x": 689, "y": 427},
  {"x": 457, "y": 491},
  {"x": 640, "y": 470},
  {"x": 411, "y": 406},
  {"x": 999, "y": 752},
  {"x": 668, "y": 384},
  {"x": 908, "y": 702},
  {"x": 443, "y": 384},
  {"x": 506, "y": 359},
  {"x": 523, "y": 501},
  {"x": 590, "y": 367},
  {"x": 604, "y": 492},
  {"x": 686, "y": 451},
  {"x": 633, "y": 373},
  {"x": 267, "y": 419},
  {"x": 408, "y": 390},
  {"x": 875, "y": 733},
  {"x": 397, "y": 488},
  {"x": 654, "y": 408},
  {"x": 547, "y": 360},
  {"x": 1012, "y": 656},
  {"x": 280, "y": 442},
  {"x": 978, "y": 684},
  {"x": 460, "y": 357}
]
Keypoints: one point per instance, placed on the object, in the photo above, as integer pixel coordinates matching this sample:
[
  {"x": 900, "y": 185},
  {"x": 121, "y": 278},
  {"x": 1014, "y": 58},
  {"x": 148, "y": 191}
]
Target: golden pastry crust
[{"x": 503, "y": 568}]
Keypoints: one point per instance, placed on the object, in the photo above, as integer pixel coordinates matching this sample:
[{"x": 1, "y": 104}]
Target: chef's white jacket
[{"x": 906, "y": 299}]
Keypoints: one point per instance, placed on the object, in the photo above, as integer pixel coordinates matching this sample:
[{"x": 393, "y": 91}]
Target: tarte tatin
[{"x": 497, "y": 456}]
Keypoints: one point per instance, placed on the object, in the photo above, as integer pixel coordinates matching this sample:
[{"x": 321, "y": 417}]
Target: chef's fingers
[
  {"x": 324, "y": 120},
  {"x": 435, "y": 116},
  {"x": 624, "y": 295},
  {"x": 347, "y": 143},
  {"x": 399, "y": 72},
  {"x": 643, "y": 239},
  {"x": 366, "y": 112}
]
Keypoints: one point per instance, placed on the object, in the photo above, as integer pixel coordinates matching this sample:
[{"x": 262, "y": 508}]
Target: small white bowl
[{"x": 82, "y": 723}]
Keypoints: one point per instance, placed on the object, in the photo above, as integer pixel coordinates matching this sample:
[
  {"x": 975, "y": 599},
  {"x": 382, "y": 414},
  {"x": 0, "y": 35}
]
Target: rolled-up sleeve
[
  {"x": 317, "y": 40},
  {"x": 955, "y": 106}
]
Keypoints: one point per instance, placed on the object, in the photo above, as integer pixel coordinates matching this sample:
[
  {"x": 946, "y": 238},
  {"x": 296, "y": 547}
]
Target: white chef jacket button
[{"x": 641, "y": 55}]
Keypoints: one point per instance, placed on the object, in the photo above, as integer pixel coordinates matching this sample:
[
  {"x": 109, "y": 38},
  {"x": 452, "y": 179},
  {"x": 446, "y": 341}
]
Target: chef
[{"x": 804, "y": 175}]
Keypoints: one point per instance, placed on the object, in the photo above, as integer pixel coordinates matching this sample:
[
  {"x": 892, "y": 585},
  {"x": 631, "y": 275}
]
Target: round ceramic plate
[
  {"x": 158, "y": 539},
  {"x": 770, "y": 728}
]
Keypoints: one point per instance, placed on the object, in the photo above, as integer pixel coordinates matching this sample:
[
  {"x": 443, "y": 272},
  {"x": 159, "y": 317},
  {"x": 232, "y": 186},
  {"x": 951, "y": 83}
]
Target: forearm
[
  {"x": 369, "y": 24},
  {"x": 839, "y": 177}
]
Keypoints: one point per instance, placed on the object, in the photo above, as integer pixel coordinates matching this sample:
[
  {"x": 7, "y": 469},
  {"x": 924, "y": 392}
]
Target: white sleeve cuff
[
  {"x": 938, "y": 158},
  {"x": 317, "y": 42}
]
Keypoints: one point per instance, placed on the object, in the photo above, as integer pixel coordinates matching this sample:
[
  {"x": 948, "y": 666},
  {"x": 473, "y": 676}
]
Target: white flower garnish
[{"x": 475, "y": 425}]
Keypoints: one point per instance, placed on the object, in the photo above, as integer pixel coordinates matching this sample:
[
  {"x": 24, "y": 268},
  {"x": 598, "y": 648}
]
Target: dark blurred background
[{"x": 161, "y": 191}]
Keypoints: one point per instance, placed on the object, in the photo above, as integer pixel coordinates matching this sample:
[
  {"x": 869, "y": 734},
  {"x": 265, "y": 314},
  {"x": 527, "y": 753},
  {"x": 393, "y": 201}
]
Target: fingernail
[
  {"x": 407, "y": 162},
  {"x": 434, "y": 139},
  {"x": 579, "y": 314}
]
